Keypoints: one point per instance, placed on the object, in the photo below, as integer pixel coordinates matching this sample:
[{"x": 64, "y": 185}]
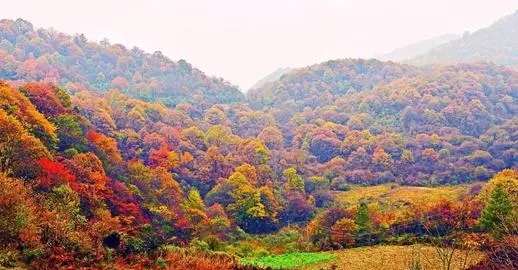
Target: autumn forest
[{"x": 115, "y": 158}]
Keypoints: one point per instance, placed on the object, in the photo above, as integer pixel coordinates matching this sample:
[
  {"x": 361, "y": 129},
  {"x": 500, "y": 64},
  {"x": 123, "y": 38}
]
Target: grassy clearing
[
  {"x": 388, "y": 258},
  {"x": 290, "y": 260},
  {"x": 397, "y": 197}
]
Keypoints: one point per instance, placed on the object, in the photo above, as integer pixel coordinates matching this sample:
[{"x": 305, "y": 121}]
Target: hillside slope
[
  {"x": 342, "y": 111},
  {"x": 29, "y": 54},
  {"x": 316, "y": 85}
]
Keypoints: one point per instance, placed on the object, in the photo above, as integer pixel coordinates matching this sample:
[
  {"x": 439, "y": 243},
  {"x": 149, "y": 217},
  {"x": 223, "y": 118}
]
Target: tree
[
  {"x": 194, "y": 207},
  {"x": 498, "y": 213},
  {"x": 19, "y": 151},
  {"x": 316, "y": 183},
  {"x": 48, "y": 99},
  {"x": 216, "y": 116},
  {"x": 342, "y": 232},
  {"x": 362, "y": 218},
  {"x": 164, "y": 158},
  {"x": 219, "y": 136},
  {"x": 106, "y": 148},
  {"x": 319, "y": 229},
  {"x": 382, "y": 160},
  {"x": 54, "y": 174},
  {"x": 297, "y": 208},
  {"x": 272, "y": 138},
  {"x": 508, "y": 180},
  {"x": 325, "y": 146},
  {"x": 194, "y": 200},
  {"x": 249, "y": 172},
  {"x": 120, "y": 83},
  {"x": 18, "y": 106},
  {"x": 70, "y": 132},
  {"x": 294, "y": 181}
]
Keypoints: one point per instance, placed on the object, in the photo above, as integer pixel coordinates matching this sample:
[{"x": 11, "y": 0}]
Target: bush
[
  {"x": 161, "y": 263},
  {"x": 323, "y": 199},
  {"x": 339, "y": 183},
  {"x": 200, "y": 245},
  {"x": 261, "y": 252},
  {"x": 214, "y": 243},
  {"x": 71, "y": 152}
]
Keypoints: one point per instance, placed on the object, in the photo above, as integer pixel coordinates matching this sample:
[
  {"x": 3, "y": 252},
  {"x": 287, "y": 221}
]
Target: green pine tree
[
  {"x": 194, "y": 200},
  {"x": 497, "y": 214},
  {"x": 362, "y": 217}
]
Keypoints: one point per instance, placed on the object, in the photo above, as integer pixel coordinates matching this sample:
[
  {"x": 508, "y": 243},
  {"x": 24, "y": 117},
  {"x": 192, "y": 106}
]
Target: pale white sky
[{"x": 243, "y": 40}]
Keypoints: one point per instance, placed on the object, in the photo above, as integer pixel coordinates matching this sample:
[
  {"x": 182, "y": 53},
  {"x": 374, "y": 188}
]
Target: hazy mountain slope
[
  {"x": 497, "y": 43},
  {"x": 416, "y": 49},
  {"x": 30, "y": 54},
  {"x": 277, "y": 74}
]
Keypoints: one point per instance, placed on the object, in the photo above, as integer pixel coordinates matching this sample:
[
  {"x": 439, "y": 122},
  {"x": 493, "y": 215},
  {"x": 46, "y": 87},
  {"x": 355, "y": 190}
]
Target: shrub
[{"x": 339, "y": 183}]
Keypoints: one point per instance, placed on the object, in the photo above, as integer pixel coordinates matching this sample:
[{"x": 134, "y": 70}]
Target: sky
[{"x": 244, "y": 40}]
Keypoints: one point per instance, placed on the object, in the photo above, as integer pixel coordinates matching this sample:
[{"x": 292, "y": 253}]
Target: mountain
[
  {"x": 277, "y": 74},
  {"x": 416, "y": 49},
  {"x": 497, "y": 43},
  {"x": 29, "y": 54}
]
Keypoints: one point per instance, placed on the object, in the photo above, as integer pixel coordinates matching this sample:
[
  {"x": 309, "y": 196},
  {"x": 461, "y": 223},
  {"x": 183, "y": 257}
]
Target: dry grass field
[
  {"x": 390, "y": 258},
  {"x": 394, "y": 196}
]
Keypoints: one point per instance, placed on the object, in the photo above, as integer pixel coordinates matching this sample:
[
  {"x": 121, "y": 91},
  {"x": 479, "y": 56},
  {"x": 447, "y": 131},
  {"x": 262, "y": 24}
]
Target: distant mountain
[
  {"x": 497, "y": 43},
  {"x": 277, "y": 74},
  {"x": 416, "y": 49},
  {"x": 28, "y": 54}
]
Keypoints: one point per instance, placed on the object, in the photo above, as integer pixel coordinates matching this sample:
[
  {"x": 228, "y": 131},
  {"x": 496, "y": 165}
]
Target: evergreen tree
[
  {"x": 194, "y": 200},
  {"x": 497, "y": 214},
  {"x": 362, "y": 217}
]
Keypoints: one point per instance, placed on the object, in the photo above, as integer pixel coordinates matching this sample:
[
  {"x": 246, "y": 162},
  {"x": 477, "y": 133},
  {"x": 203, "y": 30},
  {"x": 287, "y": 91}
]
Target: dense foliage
[{"x": 385, "y": 122}]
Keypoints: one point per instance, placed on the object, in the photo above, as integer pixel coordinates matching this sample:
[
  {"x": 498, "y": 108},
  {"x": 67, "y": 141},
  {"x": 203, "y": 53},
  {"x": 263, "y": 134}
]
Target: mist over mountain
[
  {"x": 417, "y": 48},
  {"x": 497, "y": 43},
  {"x": 274, "y": 76}
]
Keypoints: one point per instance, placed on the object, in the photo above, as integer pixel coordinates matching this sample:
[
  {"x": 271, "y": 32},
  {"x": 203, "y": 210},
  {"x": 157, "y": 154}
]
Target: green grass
[{"x": 290, "y": 260}]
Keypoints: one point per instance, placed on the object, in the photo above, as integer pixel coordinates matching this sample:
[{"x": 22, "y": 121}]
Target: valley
[{"x": 115, "y": 158}]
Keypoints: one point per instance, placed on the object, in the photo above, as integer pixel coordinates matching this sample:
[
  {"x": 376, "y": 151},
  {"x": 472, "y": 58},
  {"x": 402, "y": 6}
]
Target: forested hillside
[
  {"x": 437, "y": 125},
  {"x": 29, "y": 54},
  {"x": 497, "y": 43}
]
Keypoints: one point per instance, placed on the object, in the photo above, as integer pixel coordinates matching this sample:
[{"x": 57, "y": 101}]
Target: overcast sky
[{"x": 243, "y": 40}]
